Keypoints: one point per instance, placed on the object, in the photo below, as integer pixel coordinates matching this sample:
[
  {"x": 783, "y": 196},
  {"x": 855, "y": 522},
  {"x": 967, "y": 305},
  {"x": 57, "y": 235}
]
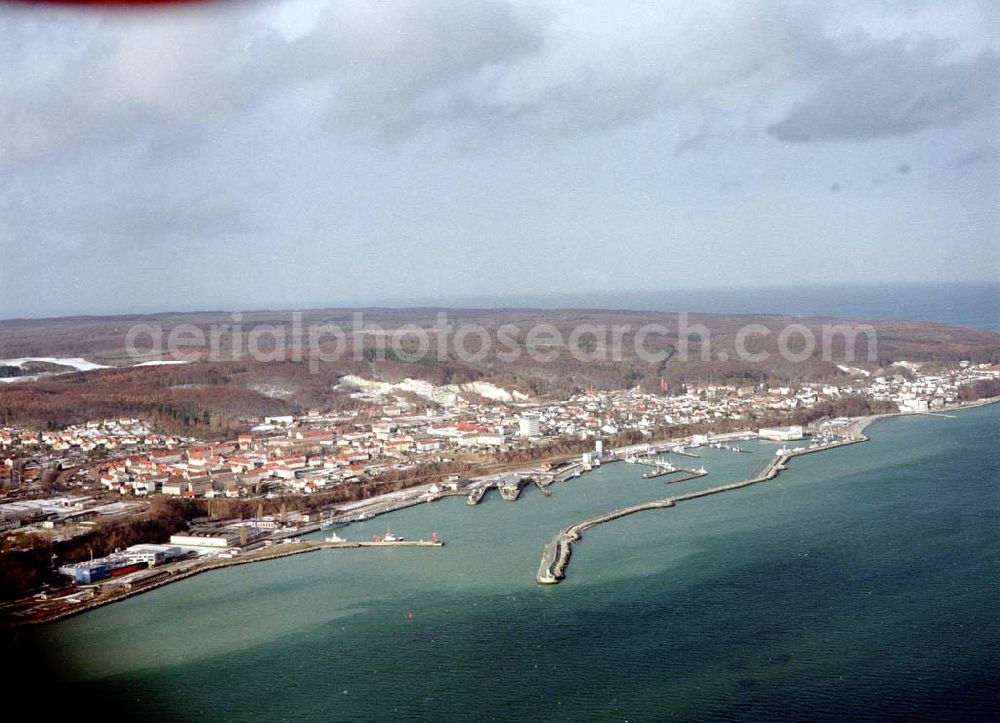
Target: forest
[{"x": 215, "y": 395}]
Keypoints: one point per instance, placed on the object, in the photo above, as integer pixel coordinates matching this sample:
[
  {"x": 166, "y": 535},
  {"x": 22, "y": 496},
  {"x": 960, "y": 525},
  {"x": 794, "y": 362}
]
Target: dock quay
[
  {"x": 568, "y": 472},
  {"x": 659, "y": 466},
  {"x": 171, "y": 573},
  {"x": 325, "y": 545},
  {"x": 297, "y": 532},
  {"x": 542, "y": 487},
  {"x": 372, "y": 512},
  {"x": 511, "y": 489},
  {"x": 691, "y": 474},
  {"x": 663, "y": 472},
  {"x": 557, "y": 551},
  {"x": 477, "y": 495},
  {"x": 662, "y": 468}
]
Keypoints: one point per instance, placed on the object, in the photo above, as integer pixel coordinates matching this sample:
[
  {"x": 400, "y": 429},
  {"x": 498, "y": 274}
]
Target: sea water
[{"x": 861, "y": 583}]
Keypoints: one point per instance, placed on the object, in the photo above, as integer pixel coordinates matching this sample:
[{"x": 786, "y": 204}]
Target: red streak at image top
[{"x": 105, "y": 3}]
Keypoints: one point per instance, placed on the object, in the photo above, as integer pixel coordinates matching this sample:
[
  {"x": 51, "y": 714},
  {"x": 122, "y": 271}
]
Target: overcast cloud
[{"x": 449, "y": 140}]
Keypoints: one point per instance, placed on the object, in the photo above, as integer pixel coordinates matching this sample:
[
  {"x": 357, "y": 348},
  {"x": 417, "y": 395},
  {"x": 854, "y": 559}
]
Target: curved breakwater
[{"x": 557, "y": 552}]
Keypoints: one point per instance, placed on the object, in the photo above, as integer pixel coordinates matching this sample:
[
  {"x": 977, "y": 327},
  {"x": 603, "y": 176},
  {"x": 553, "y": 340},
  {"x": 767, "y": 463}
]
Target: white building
[
  {"x": 492, "y": 439},
  {"x": 529, "y": 425},
  {"x": 152, "y": 555},
  {"x": 219, "y": 540},
  {"x": 781, "y": 434},
  {"x": 913, "y": 405}
]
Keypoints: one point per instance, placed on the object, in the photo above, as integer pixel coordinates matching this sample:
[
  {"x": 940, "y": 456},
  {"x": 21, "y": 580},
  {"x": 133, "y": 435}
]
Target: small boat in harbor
[{"x": 334, "y": 537}]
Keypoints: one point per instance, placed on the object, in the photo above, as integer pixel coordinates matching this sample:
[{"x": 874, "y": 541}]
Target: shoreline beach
[
  {"x": 558, "y": 551},
  {"x": 562, "y": 550}
]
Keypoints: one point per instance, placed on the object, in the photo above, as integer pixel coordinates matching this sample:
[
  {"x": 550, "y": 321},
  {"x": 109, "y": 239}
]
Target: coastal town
[{"x": 255, "y": 496}]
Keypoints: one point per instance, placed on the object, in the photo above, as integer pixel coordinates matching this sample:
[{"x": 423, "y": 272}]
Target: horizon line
[{"x": 461, "y": 303}]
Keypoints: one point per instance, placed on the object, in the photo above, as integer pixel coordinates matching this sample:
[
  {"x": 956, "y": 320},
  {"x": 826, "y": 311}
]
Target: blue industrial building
[{"x": 91, "y": 573}]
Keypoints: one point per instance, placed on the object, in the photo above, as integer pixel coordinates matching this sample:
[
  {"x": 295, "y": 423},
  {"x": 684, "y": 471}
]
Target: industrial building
[
  {"x": 218, "y": 539},
  {"x": 152, "y": 555},
  {"x": 102, "y": 568}
]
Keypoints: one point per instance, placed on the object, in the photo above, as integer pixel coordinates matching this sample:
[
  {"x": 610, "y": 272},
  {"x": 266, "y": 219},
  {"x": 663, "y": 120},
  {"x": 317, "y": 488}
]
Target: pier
[
  {"x": 664, "y": 471},
  {"x": 691, "y": 474},
  {"x": 557, "y": 551},
  {"x": 477, "y": 495},
  {"x": 326, "y": 545},
  {"x": 662, "y": 468},
  {"x": 568, "y": 472},
  {"x": 511, "y": 489},
  {"x": 659, "y": 467}
]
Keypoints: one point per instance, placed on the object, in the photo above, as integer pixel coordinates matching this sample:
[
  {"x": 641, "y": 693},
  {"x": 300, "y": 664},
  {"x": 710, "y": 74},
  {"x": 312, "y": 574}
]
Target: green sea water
[{"x": 862, "y": 583}]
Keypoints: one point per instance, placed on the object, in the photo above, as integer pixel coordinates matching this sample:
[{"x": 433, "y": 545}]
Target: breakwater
[{"x": 557, "y": 552}]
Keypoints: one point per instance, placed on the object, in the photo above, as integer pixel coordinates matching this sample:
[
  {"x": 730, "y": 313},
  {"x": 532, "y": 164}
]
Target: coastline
[
  {"x": 862, "y": 422},
  {"x": 299, "y": 547},
  {"x": 557, "y": 551}
]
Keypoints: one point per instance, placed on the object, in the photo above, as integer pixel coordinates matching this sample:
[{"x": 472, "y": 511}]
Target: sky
[{"x": 313, "y": 153}]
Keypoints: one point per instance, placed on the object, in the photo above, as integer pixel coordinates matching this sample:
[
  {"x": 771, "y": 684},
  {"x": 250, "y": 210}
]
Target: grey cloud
[
  {"x": 976, "y": 157},
  {"x": 113, "y": 79},
  {"x": 389, "y": 68},
  {"x": 893, "y": 88},
  {"x": 178, "y": 218},
  {"x": 710, "y": 65},
  {"x": 127, "y": 223},
  {"x": 420, "y": 64},
  {"x": 470, "y": 71}
]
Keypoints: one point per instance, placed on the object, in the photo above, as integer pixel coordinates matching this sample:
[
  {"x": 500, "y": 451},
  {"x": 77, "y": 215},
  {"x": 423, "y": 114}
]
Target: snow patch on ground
[
  {"x": 81, "y": 365},
  {"x": 447, "y": 394},
  {"x": 273, "y": 391},
  {"x": 492, "y": 391},
  {"x": 853, "y": 370}
]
